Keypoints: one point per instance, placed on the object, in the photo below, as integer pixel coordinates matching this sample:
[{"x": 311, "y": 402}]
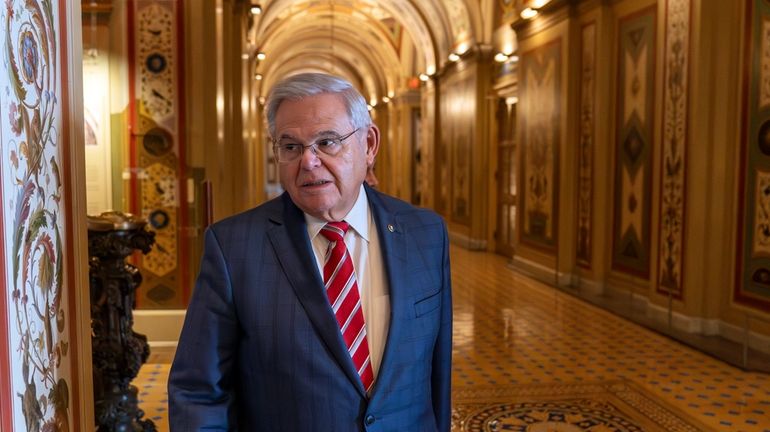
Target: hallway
[{"x": 526, "y": 355}]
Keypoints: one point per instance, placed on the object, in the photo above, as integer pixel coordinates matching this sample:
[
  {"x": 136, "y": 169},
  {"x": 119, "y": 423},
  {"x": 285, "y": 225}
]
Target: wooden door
[{"x": 506, "y": 179}]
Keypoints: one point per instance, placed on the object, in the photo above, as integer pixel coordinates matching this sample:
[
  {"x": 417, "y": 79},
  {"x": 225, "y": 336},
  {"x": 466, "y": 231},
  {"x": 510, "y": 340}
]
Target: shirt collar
[{"x": 357, "y": 218}]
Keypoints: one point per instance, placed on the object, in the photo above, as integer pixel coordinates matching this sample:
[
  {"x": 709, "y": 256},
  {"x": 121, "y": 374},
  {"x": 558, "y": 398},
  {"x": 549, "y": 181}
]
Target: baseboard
[
  {"x": 542, "y": 272},
  {"x": 467, "y": 242},
  {"x": 533, "y": 269},
  {"x": 679, "y": 321},
  {"x": 162, "y": 327},
  {"x": 756, "y": 341},
  {"x": 587, "y": 286},
  {"x": 708, "y": 327}
]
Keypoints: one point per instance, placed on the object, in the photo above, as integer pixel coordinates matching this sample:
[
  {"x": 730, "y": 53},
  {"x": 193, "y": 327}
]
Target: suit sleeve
[
  {"x": 200, "y": 386},
  {"x": 441, "y": 379}
]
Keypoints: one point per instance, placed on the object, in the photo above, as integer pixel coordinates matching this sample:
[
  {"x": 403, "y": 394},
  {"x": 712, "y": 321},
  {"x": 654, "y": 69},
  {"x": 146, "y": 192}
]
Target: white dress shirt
[{"x": 363, "y": 245}]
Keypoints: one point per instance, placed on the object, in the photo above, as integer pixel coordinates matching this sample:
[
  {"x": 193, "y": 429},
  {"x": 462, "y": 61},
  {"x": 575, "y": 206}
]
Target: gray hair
[{"x": 299, "y": 86}]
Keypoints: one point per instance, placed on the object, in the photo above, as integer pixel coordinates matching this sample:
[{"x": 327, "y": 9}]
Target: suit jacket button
[{"x": 369, "y": 420}]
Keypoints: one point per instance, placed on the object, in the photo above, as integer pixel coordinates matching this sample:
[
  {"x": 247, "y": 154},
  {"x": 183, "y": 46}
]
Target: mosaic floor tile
[{"x": 612, "y": 406}]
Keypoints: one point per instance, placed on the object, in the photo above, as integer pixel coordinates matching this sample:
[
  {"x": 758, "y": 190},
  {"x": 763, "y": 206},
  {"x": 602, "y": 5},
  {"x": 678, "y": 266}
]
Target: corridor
[{"x": 528, "y": 357}]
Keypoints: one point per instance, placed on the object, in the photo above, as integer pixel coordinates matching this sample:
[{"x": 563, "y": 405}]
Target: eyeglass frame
[{"x": 313, "y": 145}]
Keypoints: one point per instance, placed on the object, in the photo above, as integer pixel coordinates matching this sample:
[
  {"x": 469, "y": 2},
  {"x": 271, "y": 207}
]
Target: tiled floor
[{"x": 528, "y": 357}]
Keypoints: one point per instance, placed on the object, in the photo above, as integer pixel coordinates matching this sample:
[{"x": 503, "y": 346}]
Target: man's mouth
[{"x": 315, "y": 183}]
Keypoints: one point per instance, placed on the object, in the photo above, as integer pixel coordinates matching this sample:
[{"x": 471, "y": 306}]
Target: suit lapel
[
  {"x": 290, "y": 241},
  {"x": 393, "y": 242}
]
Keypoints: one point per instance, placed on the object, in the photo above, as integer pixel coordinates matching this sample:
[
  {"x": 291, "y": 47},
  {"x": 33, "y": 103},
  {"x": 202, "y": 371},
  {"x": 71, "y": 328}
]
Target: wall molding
[
  {"x": 162, "y": 327},
  {"x": 467, "y": 242}
]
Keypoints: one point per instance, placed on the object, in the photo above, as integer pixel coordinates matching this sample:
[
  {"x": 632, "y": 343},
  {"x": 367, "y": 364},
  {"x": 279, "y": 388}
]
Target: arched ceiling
[{"x": 376, "y": 44}]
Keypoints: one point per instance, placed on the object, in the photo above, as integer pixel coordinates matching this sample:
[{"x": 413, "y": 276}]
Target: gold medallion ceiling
[{"x": 378, "y": 45}]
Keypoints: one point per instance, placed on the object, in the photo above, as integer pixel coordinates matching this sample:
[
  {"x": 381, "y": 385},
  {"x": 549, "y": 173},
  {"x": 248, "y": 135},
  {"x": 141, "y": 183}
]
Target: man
[{"x": 327, "y": 308}]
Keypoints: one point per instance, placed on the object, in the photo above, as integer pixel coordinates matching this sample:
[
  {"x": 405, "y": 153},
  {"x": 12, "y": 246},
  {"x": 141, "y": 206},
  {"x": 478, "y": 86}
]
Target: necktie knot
[{"x": 335, "y": 231}]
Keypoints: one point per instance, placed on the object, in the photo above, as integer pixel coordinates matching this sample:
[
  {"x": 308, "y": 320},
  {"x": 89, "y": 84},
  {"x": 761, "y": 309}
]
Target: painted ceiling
[{"x": 377, "y": 44}]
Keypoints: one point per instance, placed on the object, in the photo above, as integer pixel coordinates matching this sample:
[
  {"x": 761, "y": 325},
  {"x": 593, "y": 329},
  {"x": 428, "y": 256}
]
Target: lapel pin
[{"x": 390, "y": 228}]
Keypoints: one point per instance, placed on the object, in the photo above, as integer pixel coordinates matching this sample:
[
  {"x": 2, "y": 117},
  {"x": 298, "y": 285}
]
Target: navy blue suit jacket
[{"x": 261, "y": 350}]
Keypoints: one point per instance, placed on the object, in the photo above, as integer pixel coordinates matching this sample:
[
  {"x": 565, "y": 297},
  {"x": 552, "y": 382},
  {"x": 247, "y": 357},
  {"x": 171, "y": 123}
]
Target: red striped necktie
[{"x": 342, "y": 290}]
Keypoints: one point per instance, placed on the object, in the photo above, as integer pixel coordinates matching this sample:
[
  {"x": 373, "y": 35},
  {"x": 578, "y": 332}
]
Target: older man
[{"x": 328, "y": 308}]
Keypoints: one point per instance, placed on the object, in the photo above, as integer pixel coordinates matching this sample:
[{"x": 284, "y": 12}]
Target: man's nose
[{"x": 309, "y": 158}]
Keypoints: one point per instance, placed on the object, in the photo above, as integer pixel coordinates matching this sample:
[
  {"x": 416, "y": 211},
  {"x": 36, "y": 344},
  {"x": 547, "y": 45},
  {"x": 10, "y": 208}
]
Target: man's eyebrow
[
  {"x": 285, "y": 136},
  {"x": 327, "y": 133}
]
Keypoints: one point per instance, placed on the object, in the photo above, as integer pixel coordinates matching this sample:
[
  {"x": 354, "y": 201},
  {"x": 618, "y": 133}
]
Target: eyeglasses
[{"x": 287, "y": 150}]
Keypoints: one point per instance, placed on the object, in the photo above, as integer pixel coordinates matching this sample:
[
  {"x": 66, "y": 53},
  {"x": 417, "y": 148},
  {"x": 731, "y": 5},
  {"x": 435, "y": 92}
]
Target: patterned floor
[{"x": 528, "y": 357}]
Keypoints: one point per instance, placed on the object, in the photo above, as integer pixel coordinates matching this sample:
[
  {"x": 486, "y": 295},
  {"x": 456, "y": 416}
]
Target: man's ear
[{"x": 372, "y": 144}]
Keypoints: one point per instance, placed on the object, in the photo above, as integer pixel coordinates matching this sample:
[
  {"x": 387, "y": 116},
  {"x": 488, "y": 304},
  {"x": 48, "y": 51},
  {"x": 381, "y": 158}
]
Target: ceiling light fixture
[
  {"x": 256, "y": 10},
  {"x": 258, "y": 77},
  {"x": 537, "y": 4},
  {"x": 501, "y": 57},
  {"x": 424, "y": 77},
  {"x": 454, "y": 57},
  {"x": 528, "y": 13},
  {"x": 260, "y": 56}
]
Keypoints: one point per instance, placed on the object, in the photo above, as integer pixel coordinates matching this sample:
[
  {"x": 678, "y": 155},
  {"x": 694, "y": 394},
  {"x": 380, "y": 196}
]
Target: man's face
[{"x": 321, "y": 185}]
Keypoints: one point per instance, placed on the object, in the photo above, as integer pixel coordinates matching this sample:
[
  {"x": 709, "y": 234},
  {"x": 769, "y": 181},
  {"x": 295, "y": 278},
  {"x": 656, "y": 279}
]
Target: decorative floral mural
[
  {"x": 752, "y": 285},
  {"x": 633, "y": 142},
  {"x": 585, "y": 178},
  {"x": 675, "y": 95},
  {"x": 540, "y": 126},
  {"x": 34, "y": 217},
  {"x": 156, "y": 149}
]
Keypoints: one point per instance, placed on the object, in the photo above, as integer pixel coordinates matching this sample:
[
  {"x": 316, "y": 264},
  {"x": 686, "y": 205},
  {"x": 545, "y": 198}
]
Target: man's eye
[
  {"x": 291, "y": 147},
  {"x": 327, "y": 142}
]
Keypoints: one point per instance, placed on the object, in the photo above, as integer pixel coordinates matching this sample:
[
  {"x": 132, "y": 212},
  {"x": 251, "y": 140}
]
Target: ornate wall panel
[
  {"x": 634, "y": 142},
  {"x": 458, "y": 111},
  {"x": 586, "y": 145},
  {"x": 427, "y": 151},
  {"x": 38, "y": 384},
  {"x": 753, "y": 265},
  {"x": 157, "y": 148},
  {"x": 674, "y": 147},
  {"x": 540, "y": 115}
]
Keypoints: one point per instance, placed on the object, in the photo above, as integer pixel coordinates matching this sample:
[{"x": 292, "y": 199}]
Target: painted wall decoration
[
  {"x": 34, "y": 220},
  {"x": 157, "y": 149},
  {"x": 674, "y": 148},
  {"x": 395, "y": 31},
  {"x": 458, "y": 109},
  {"x": 458, "y": 19},
  {"x": 505, "y": 12},
  {"x": 540, "y": 116},
  {"x": 752, "y": 285},
  {"x": 585, "y": 179},
  {"x": 634, "y": 141}
]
